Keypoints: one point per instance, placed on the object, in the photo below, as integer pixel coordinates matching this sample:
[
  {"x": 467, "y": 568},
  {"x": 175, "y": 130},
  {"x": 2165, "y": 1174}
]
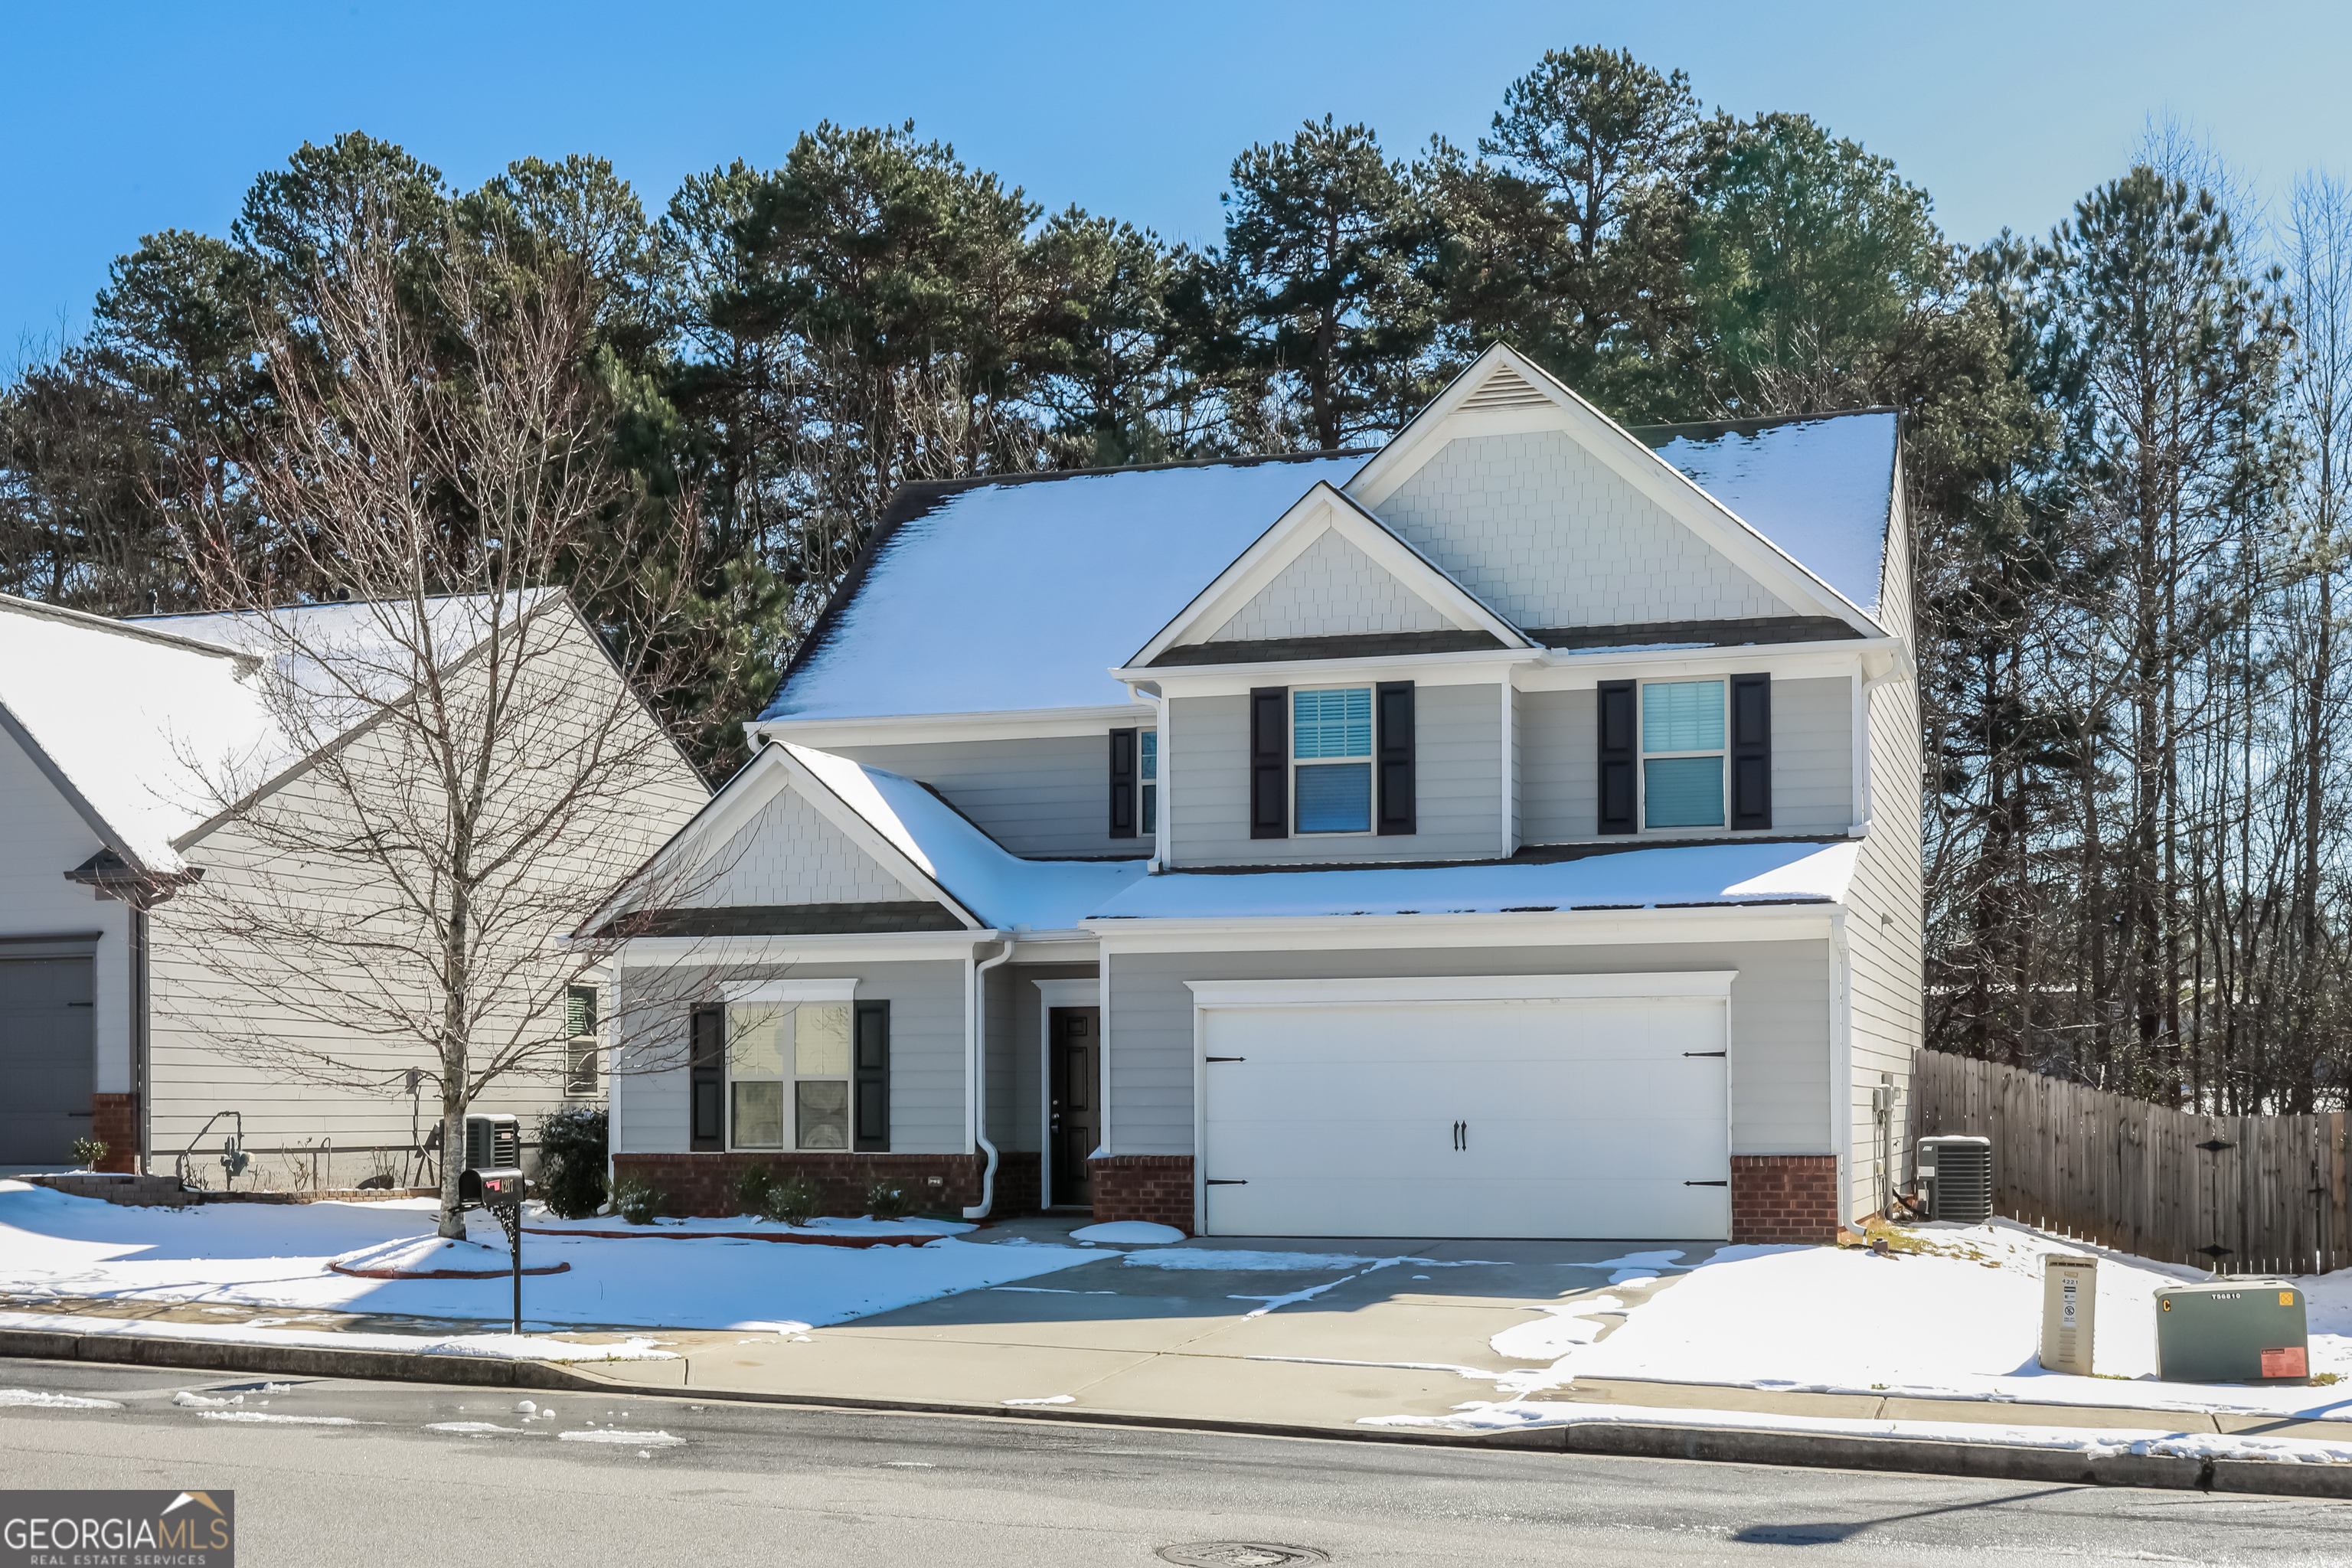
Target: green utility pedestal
[{"x": 2232, "y": 1331}]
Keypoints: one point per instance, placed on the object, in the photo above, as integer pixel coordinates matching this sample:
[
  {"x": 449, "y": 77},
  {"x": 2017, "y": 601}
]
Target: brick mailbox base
[
  {"x": 1155, "y": 1187},
  {"x": 1784, "y": 1198}
]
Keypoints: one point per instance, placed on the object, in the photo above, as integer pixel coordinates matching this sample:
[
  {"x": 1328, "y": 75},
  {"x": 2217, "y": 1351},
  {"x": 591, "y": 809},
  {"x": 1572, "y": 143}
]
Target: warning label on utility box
[{"x": 2285, "y": 1361}]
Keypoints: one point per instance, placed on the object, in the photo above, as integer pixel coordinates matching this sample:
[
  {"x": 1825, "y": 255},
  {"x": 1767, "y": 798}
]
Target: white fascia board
[
  {"x": 1324, "y": 508},
  {"x": 739, "y": 951},
  {"x": 1808, "y": 921},
  {"x": 1475, "y": 667},
  {"x": 788, "y": 990},
  {"x": 1401, "y": 990},
  {"x": 1624, "y": 455},
  {"x": 916, "y": 728},
  {"x": 1564, "y": 669}
]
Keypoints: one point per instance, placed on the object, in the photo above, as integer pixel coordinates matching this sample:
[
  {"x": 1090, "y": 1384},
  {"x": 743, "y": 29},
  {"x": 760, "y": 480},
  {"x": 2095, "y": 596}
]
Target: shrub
[
  {"x": 791, "y": 1200},
  {"x": 751, "y": 1187},
  {"x": 572, "y": 1144},
  {"x": 887, "y": 1199},
  {"x": 637, "y": 1199},
  {"x": 89, "y": 1151}
]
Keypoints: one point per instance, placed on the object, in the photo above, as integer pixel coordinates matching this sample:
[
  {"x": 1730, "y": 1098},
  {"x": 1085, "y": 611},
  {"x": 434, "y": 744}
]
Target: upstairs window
[
  {"x": 788, "y": 1068},
  {"x": 1331, "y": 760},
  {"x": 1148, "y": 769},
  {"x": 1682, "y": 754}
]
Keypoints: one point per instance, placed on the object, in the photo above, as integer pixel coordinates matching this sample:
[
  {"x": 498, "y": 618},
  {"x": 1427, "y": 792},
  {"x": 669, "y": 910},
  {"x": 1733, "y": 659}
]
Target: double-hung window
[
  {"x": 788, "y": 1069},
  {"x": 1148, "y": 779},
  {"x": 1331, "y": 760},
  {"x": 579, "y": 1040},
  {"x": 1682, "y": 754}
]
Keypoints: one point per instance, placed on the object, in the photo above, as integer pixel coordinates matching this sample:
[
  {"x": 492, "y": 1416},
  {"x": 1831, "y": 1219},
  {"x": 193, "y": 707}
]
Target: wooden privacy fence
[{"x": 2242, "y": 1194}]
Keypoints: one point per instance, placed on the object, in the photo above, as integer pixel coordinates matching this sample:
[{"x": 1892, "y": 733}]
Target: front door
[{"x": 1075, "y": 1057}]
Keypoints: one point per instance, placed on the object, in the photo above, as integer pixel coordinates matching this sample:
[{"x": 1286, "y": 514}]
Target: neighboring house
[
  {"x": 115, "y": 737},
  {"x": 1512, "y": 831}
]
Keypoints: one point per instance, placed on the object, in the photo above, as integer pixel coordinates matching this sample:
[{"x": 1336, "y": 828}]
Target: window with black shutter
[
  {"x": 1122, "y": 783},
  {"x": 1619, "y": 799},
  {"x": 873, "y": 1077},
  {"x": 1269, "y": 710},
  {"x": 1396, "y": 757},
  {"x": 1752, "y": 751},
  {"x": 707, "y": 1079}
]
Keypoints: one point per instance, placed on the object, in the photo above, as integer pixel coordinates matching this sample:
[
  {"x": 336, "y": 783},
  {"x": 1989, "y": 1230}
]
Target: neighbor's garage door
[
  {"x": 46, "y": 1044},
  {"x": 1598, "y": 1117}
]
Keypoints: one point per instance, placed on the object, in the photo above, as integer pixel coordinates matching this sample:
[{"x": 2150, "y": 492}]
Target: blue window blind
[
  {"x": 1683, "y": 792},
  {"x": 1336, "y": 798},
  {"x": 1334, "y": 723},
  {"x": 1150, "y": 756},
  {"x": 1683, "y": 716}
]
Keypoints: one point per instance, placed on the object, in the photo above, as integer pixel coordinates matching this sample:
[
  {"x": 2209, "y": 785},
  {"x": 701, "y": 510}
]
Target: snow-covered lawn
[
  {"x": 52, "y": 1245},
  {"x": 1958, "y": 1319}
]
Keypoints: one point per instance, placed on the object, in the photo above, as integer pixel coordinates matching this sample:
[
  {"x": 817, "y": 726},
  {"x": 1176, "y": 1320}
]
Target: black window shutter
[
  {"x": 1395, "y": 710},
  {"x": 873, "y": 1076},
  {"x": 1751, "y": 750},
  {"x": 1122, "y": 783},
  {"x": 707, "y": 1079},
  {"x": 1620, "y": 737},
  {"x": 1269, "y": 761}
]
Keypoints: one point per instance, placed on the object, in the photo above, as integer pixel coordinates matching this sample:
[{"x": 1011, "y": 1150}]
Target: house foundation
[
  {"x": 114, "y": 1122},
  {"x": 702, "y": 1186},
  {"x": 1784, "y": 1198},
  {"x": 1154, "y": 1187}
]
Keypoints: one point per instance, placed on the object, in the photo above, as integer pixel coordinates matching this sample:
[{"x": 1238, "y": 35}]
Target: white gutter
[
  {"x": 975, "y": 1050},
  {"x": 1901, "y": 669}
]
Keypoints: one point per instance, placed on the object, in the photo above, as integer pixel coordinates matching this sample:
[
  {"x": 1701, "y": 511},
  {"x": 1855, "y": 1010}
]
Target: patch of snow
[
  {"x": 44, "y": 1400},
  {"x": 261, "y": 1418},
  {"x": 1129, "y": 1233},
  {"x": 479, "y": 1429},
  {"x": 1252, "y": 1262},
  {"x": 1560, "y": 1329},
  {"x": 492, "y": 1347},
  {"x": 1480, "y": 1374},
  {"x": 1707, "y": 874},
  {"x": 1504, "y": 1416},
  {"x": 612, "y": 1435},
  {"x": 421, "y": 1253},
  {"x": 1635, "y": 1260},
  {"x": 200, "y": 1402},
  {"x": 1049, "y": 1399},
  {"x": 1117, "y": 554}
]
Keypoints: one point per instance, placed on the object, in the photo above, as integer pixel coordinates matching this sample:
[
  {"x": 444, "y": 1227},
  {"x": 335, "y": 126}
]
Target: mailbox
[{"x": 502, "y": 1187}]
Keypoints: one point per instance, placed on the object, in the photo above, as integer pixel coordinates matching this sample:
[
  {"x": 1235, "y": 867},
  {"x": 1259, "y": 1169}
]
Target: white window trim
[
  {"x": 791, "y": 993},
  {"x": 1369, "y": 760},
  {"x": 1147, "y": 787},
  {"x": 1400, "y": 989},
  {"x": 1644, "y": 756}
]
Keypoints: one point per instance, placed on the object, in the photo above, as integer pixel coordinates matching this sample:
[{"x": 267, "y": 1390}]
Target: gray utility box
[
  {"x": 1956, "y": 1174},
  {"x": 2232, "y": 1331}
]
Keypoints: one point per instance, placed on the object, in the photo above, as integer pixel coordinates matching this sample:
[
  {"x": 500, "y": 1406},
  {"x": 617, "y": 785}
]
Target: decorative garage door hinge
[
  {"x": 1224, "y": 1182},
  {"x": 1228, "y": 1059},
  {"x": 1704, "y": 1053},
  {"x": 1707, "y": 1183}
]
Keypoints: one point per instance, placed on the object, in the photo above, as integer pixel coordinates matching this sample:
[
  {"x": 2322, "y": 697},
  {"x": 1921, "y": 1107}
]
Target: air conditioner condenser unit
[
  {"x": 1955, "y": 1177},
  {"x": 493, "y": 1143}
]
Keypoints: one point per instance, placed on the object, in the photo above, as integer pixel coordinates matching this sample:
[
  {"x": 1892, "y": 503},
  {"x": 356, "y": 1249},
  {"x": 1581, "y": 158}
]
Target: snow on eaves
[
  {"x": 1821, "y": 489},
  {"x": 1636, "y": 878},
  {"x": 999, "y": 888},
  {"x": 1023, "y": 594}
]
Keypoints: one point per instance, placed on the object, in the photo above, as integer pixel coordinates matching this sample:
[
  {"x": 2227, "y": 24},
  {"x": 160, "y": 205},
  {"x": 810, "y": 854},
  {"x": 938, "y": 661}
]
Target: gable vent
[{"x": 1506, "y": 388}]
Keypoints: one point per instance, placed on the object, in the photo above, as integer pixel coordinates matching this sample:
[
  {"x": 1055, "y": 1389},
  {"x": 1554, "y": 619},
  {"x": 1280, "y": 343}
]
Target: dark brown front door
[{"x": 1076, "y": 1061}]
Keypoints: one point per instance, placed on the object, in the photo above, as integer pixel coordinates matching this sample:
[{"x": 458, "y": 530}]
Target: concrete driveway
[{"x": 1387, "y": 1327}]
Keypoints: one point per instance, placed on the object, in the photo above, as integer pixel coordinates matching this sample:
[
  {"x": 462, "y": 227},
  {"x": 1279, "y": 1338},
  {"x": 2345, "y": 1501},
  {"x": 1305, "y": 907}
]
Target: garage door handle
[
  {"x": 1707, "y": 1183},
  {"x": 1702, "y": 1053},
  {"x": 1226, "y": 1182}
]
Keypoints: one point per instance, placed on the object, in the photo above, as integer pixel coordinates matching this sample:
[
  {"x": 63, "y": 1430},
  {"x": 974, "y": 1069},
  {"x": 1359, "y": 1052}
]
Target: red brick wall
[
  {"x": 1155, "y": 1187},
  {"x": 1019, "y": 1181},
  {"x": 704, "y": 1184},
  {"x": 1784, "y": 1198},
  {"x": 114, "y": 1119}
]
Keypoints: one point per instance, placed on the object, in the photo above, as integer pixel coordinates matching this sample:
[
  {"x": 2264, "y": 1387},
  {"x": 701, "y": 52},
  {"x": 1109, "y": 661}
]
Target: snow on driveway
[
  {"x": 256, "y": 1255},
  {"x": 1961, "y": 1321}
]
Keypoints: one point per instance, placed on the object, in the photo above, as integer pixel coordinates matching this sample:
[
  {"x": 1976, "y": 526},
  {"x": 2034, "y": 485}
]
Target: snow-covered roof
[
  {"x": 999, "y": 888},
  {"x": 142, "y": 727},
  {"x": 1632, "y": 878},
  {"x": 1820, "y": 488},
  {"x": 1022, "y": 593},
  {"x": 156, "y": 722}
]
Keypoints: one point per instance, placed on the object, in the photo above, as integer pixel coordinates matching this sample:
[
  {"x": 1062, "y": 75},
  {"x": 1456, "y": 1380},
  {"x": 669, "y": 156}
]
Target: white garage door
[{"x": 1592, "y": 1117}]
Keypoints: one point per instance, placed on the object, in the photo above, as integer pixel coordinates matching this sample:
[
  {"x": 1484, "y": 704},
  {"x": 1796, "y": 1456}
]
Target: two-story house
[{"x": 1512, "y": 831}]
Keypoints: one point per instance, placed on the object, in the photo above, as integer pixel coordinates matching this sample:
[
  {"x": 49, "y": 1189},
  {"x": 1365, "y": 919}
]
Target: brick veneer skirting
[
  {"x": 1155, "y": 1187},
  {"x": 114, "y": 1121},
  {"x": 1784, "y": 1198},
  {"x": 704, "y": 1184}
]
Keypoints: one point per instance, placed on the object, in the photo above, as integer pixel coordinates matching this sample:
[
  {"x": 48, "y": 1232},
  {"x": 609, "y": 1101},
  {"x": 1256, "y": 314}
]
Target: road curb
[{"x": 1978, "y": 1461}]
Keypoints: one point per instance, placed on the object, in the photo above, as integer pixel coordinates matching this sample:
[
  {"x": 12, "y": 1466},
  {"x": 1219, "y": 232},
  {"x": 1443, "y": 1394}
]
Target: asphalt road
[{"x": 362, "y": 1477}]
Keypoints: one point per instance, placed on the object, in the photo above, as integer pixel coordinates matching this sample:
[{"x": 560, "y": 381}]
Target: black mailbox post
[{"x": 501, "y": 1191}]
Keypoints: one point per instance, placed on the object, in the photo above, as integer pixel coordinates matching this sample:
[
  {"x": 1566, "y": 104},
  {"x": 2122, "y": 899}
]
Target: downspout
[
  {"x": 1899, "y": 670},
  {"x": 975, "y": 1040},
  {"x": 1842, "y": 1062},
  {"x": 141, "y": 1011}
]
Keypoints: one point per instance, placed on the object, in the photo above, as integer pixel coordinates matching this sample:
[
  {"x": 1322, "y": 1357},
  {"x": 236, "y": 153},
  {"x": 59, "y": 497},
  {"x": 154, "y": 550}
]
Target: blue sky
[{"x": 121, "y": 119}]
